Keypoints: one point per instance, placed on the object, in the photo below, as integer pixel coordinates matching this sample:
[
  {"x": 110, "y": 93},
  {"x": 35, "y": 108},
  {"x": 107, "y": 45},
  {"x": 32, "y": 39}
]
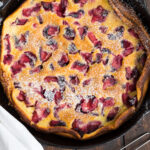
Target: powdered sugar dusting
[{"x": 102, "y": 47}]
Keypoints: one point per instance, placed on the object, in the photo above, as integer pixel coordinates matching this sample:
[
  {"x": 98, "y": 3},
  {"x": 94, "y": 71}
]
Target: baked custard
[{"x": 74, "y": 67}]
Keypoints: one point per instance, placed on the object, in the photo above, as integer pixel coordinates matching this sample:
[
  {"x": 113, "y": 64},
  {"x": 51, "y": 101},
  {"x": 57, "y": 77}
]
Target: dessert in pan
[{"x": 77, "y": 68}]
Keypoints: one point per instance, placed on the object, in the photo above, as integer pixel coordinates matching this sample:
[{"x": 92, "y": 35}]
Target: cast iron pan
[{"x": 140, "y": 6}]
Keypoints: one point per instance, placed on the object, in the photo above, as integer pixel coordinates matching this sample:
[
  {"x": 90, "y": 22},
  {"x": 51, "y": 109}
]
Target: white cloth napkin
[{"x": 14, "y": 136}]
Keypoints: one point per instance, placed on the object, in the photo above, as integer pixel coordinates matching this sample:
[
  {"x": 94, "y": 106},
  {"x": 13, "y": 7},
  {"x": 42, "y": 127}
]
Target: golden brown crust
[{"x": 128, "y": 16}]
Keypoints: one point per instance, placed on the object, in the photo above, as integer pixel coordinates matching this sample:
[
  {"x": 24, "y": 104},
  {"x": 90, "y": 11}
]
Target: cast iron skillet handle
[{"x": 8, "y": 6}]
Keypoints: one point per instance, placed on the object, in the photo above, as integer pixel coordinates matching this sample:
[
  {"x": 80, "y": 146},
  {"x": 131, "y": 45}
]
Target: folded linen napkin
[{"x": 14, "y": 135}]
